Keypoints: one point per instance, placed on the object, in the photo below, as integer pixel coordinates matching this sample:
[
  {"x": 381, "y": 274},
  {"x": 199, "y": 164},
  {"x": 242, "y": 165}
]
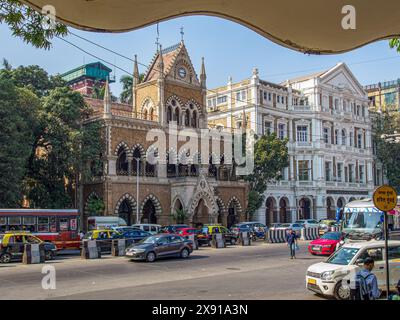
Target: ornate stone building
[
  {"x": 170, "y": 98},
  {"x": 326, "y": 120}
]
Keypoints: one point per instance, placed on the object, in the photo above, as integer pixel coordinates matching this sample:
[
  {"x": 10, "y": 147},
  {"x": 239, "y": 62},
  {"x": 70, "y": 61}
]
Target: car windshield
[
  {"x": 285, "y": 225},
  {"x": 366, "y": 221},
  {"x": 343, "y": 256},
  {"x": 331, "y": 236},
  {"x": 151, "y": 239}
]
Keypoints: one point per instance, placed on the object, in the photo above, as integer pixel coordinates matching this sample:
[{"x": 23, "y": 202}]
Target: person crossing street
[{"x": 291, "y": 240}]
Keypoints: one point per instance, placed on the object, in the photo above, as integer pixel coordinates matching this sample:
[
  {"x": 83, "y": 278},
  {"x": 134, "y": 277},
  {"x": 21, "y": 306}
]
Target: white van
[
  {"x": 325, "y": 278},
  {"x": 149, "y": 227},
  {"x": 104, "y": 222}
]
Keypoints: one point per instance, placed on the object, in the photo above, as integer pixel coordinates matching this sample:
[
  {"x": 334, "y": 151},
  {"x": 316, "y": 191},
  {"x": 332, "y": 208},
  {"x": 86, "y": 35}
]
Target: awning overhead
[{"x": 307, "y": 25}]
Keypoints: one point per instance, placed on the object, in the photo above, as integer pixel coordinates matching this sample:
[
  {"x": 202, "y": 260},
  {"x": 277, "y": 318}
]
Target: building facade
[
  {"x": 170, "y": 99},
  {"x": 326, "y": 120},
  {"x": 384, "y": 96}
]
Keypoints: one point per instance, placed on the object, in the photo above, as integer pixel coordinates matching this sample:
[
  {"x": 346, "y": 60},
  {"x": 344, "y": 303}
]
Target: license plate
[
  {"x": 312, "y": 281},
  {"x": 316, "y": 248}
]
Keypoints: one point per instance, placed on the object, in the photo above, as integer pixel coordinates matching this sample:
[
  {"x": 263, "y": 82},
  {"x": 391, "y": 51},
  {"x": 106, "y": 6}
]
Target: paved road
[{"x": 262, "y": 271}]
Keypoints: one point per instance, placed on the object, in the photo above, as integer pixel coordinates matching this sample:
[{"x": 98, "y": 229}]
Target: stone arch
[
  {"x": 284, "y": 211},
  {"x": 208, "y": 199},
  {"x": 234, "y": 212},
  {"x": 132, "y": 202},
  {"x": 271, "y": 215},
  {"x": 141, "y": 149},
  {"x": 92, "y": 195},
  {"x": 191, "y": 105},
  {"x": 146, "y": 105},
  {"x": 123, "y": 145},
  {"x": 222, "y": 211},
  {"x": 157, "y": 205}
]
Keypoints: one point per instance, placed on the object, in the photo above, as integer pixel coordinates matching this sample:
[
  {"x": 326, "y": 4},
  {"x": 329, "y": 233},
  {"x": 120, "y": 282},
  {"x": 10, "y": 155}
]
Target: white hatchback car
[{"x": 325, "y": 278}]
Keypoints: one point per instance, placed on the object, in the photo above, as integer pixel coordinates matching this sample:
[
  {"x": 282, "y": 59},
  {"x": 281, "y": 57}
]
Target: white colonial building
[{"x": 326, "y": 120}]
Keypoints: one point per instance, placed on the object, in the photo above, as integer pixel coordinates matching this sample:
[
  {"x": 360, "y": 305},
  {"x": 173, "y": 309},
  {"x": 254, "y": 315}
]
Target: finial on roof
[
  {"x": 182, "y": 34},
  {"x": 107, "y": 100}
]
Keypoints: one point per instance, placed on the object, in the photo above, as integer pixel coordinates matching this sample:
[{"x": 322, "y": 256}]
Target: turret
[{"x": 203, "y": 76}]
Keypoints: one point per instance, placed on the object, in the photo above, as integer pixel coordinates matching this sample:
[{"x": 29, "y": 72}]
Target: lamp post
[{"x": 137, "y": 189}]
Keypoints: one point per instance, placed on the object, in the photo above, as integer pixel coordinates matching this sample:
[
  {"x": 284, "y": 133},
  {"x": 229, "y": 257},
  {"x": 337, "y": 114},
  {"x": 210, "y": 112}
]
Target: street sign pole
[
  {"x": 387, "y": 255},
  {"x": 385, "y": 199}
]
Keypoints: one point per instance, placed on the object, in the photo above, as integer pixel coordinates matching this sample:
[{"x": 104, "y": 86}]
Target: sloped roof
[{"x": 168, "y": 55}]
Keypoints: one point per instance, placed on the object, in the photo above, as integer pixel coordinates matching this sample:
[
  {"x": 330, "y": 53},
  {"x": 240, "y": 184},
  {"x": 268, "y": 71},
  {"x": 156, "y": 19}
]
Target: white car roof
[{"x": 370, "y": 244}]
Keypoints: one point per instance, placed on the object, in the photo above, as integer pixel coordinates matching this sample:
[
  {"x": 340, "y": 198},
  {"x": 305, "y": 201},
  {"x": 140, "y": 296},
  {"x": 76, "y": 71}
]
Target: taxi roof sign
[{"x": 385, "y": 198}]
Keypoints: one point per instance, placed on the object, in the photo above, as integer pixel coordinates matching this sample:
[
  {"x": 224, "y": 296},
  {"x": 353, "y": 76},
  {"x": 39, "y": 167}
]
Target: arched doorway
[
  {"x": 200, "y": 215},
  {"x": 179, "y": 213},
  {"x": 234, "y": 211},
  {"x": 284, "y": 214},
  {"x": 330, "y": 208},
  {"x": 305, "y": 208},
  {"x": 149, "y": 212},
  {"x": 125, "y": 211},
  {"x": 270, "y": 211}
]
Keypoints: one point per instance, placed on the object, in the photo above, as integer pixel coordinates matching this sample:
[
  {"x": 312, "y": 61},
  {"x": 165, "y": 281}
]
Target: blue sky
[{"x": 229, "y": 50}]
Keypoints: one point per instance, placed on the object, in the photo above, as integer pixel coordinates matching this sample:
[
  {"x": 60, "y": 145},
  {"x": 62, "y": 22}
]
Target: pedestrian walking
[
  {"x": 365, "y": 284},
  {"x": 291, "y": 239}
]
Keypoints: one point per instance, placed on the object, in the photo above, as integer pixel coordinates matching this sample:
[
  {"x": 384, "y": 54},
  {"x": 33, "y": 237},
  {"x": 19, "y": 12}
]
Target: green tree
[
  {"x": 29, "y": 25},
  {"x": 95, "y": 206},
  {"x": 16, "y": 137},
  {"x": 388, "y": 152},
  {"x": 179, "y": 216},
  {"x": 127, "y": 84},
  {"x": 270, "y": 158}
]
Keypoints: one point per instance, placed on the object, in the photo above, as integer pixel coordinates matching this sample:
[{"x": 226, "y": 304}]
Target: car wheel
[
  {"x": 185, "y": 253},
  {"x": 49, "y": 255},
  {"x": 5, "y": 258},
  {"x": 341, "y": 292},
  {"x": 151, "y": 257},
  {"x": 233, "y": 241}
]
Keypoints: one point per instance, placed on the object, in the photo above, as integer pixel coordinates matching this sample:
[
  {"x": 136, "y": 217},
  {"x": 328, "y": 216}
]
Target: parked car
[
  {"x": 326, "y": 278},
  {"x": 326, "y": 244},
  {"x": 325, "y": 225},
  {"x": 104, "y": 238},
  {"x": 135, "y": 235},
  {"x": 185, "y": 232},
  {"x": 160, "y": 246},
  {"x": 307, "y": 223},
  {"x": 256, "y": 229},
  {"x": 149, "y": 227},
  {"x": 293, "y": 226},
  {"x": 173, "y": 228},
  {"x": 124, "y": 229},
  {"x": 12, "y": 246},
  {"x": 209, "y": 230}
]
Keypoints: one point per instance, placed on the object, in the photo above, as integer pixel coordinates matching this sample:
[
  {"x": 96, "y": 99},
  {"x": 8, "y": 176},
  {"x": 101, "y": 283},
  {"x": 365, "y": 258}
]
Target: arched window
[
  {"x": 122, "y": 162},
  {"x": 136, "y": 161},
  {"x": 194, "y": 119},
  {"x": 151, "y": 114},
  {"x": 145, "y": 114}
]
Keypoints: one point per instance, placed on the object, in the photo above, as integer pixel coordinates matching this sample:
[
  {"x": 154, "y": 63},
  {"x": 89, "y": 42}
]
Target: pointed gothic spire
[
  {"x": 203, "y": 76},
  {"x": 136, "y": 78},
  {"x": 107, "y": 100}
]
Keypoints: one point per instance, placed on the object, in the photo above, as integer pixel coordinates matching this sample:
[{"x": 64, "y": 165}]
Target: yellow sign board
[{"x": 385, "y": 198}]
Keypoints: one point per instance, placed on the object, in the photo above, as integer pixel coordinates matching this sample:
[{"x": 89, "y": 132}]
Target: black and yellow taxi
[
  {"x": 104, "y": 238},
  {"x": 209, "y": 229},
  {"x": 12, "y": 246}
]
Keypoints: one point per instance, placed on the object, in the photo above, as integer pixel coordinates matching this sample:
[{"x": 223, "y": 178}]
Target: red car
[
  {"x": 184, "y": 232},
  {"x": 326, "y": 244}
]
